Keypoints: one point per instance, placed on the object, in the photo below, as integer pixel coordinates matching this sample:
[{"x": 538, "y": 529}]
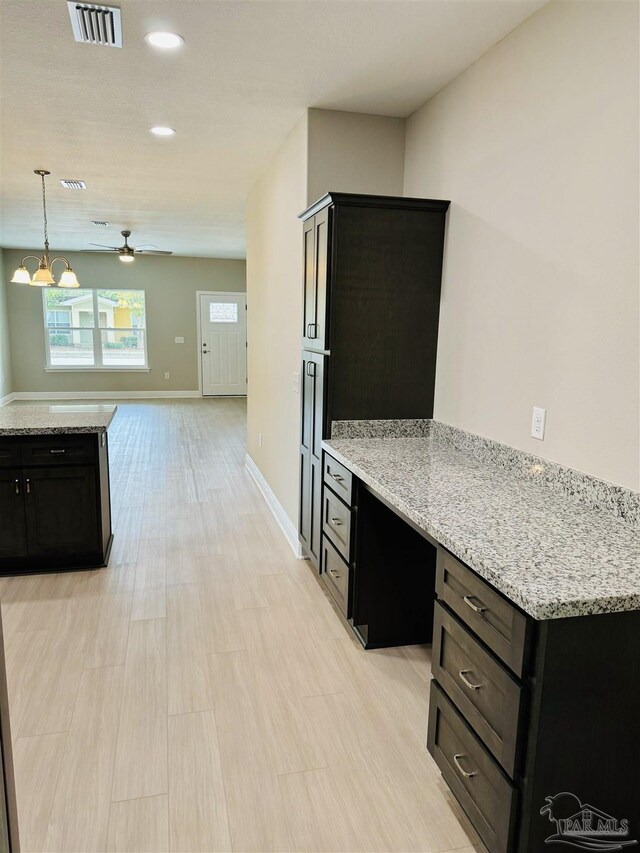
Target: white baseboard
[
  {"x": 7, "y": 399},
  {"x": 285, "y": 523},
  {"x": 100, "y": 395}
]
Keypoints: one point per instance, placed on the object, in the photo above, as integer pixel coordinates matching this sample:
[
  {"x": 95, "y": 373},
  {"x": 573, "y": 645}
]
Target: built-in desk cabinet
[
  {"x": 520, "y": 709},
  {"x": 54, "y": 502}
]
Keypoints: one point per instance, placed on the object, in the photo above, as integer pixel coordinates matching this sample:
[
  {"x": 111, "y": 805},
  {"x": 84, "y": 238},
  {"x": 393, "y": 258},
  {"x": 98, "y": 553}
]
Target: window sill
[{"x": 97, "y": 369}]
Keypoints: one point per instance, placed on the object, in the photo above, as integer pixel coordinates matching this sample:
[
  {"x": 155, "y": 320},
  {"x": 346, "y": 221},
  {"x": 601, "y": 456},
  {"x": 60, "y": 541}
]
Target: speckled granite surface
[
  {"x": 572, "y": 484},
  {"x": 49, "y": 420},
  {"x": 552, "y": 556},
  {"x": 407, "y": 428}
]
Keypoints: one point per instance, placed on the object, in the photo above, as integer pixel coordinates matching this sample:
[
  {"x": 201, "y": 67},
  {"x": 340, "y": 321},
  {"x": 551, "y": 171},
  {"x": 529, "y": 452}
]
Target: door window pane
[{"x": 223, "y": 312}]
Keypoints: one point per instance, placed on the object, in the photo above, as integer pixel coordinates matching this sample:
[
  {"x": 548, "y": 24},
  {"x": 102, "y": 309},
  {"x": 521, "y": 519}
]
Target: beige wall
[
  {"x": 170, "y": 285},
  {"x": 6, "y": 382},
  {"x": 326, "y": 150},
  {"x": 354, "y": 153},
  {"x": 274, "y": 300},
  {"x": 537, "y": 146}
]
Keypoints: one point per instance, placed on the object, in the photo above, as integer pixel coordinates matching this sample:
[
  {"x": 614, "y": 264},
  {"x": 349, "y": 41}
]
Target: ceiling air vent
[
  {"x": 71, "y": 184},
  {"x": 100, "y": 222},
  {"x": 93, "y": 24}
]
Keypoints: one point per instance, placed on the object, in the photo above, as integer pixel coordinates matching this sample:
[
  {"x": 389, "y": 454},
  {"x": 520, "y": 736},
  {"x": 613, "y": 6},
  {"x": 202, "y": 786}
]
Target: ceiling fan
[{"x": 127, "y": 252}]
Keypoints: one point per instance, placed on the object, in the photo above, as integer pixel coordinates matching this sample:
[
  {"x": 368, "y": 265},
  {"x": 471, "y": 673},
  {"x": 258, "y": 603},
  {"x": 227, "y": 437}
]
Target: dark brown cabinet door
[
  {"x": 61, "y": 510},
  {"x": 315, "y": 281},
  {"x": 308, "y": 283},
  {"x": 312, "y": 392},
  {"x": 13, "y": 530}
]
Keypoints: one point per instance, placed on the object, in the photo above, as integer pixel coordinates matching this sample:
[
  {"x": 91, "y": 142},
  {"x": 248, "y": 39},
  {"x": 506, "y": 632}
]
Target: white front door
[{"x": 223, "y": 344}]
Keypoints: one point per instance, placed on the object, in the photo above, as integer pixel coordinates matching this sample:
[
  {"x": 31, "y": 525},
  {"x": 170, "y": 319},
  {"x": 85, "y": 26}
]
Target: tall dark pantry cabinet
[{"x": 371, "y": 279}]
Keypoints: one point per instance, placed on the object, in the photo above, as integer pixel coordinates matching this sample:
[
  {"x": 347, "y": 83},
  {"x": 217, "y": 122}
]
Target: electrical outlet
[
  {"x": 179, "y": 340},
  {"x": 296, "y": 382},
  {"x": 259, "y": 439},
  {"x": 167, "y": 375},
  {"x": 538, "y": 422}
]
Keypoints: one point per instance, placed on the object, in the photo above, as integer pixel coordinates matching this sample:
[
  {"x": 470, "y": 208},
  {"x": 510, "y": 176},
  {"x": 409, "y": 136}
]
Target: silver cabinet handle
[
  {"x": 62, "y": 450},
  {"x": 311, "y": 330},
  {"x": 338, "y": 478},
  {"x": 334, "y": 574},
  {"x": 463, "y": 677},
  {"x": 28, "y": 483},
  {"x": 335, "y": 521},
  {"x": 311, "y": 368},
  {"x": 17, "y": 482},
  {"x": 477, "y": 608},
  {"x": 456, "y": 761}
]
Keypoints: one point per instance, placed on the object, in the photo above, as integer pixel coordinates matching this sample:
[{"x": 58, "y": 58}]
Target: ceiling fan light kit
[
  {"x": 43, "y": 276},
  {"x": 127, "y": 253}
]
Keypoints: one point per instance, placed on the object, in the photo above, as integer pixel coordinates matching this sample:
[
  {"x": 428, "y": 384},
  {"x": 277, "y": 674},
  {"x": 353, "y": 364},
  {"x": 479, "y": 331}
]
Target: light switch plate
[
  {"x": 295, "y": 381},
  {"x": 538, "y": 421},
  {"x": 179, "y": 340}
]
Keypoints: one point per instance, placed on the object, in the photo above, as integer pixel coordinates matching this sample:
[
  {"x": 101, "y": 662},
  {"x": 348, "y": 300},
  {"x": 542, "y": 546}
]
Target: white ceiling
[{"x": 245, "y": 74}]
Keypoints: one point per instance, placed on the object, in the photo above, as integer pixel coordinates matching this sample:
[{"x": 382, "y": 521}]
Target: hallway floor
[{"x": 200, "y": 693}]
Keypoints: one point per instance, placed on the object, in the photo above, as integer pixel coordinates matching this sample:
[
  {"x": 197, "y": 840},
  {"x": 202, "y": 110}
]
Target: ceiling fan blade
[
  {"x": 152, "y": 252},
  {"x": 99, "y": 251},
  {"x": 146, "y": 246},
  {"x": 102, "y": 246}
]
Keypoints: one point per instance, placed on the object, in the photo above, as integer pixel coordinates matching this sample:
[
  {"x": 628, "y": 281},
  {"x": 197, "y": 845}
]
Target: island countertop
[
  {"x": 552, "y": 556},
  {"x": 55, "y": 419}
]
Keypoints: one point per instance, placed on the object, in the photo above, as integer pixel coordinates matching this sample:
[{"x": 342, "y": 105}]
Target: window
[
  {"x": 223, "y": 312},
  {"x": 75, "y": 341}
]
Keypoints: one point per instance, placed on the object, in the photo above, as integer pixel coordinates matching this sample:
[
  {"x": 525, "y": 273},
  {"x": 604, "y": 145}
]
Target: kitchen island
[
  {"x": 55, "y": 511},
  {"x": 525, "y": 576}
]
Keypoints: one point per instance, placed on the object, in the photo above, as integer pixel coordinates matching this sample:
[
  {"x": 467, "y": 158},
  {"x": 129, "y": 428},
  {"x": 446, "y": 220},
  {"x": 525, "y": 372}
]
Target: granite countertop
[
  {"x": 48, "y": 420},
  {"x": 552, "y": 556}
]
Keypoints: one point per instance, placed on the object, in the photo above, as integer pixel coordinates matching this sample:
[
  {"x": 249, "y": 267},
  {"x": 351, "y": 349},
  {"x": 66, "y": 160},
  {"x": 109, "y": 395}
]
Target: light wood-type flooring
[{"x": 200, "y": 693}]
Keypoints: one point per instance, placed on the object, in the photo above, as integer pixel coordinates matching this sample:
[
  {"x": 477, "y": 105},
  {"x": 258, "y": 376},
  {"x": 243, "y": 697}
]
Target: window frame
[{"x": 98, "y": 365}]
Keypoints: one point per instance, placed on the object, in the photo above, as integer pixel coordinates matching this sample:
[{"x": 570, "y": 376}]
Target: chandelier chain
[{"x": 44, "y": 210}]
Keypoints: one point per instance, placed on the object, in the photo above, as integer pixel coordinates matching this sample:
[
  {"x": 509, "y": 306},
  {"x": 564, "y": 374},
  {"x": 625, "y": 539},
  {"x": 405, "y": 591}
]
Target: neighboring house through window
[{"x": 73, "y": 339}]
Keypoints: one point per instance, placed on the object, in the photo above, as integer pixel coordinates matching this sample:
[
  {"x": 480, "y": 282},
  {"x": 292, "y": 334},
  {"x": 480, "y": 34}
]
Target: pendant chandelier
[{"x": 43, "y": 276}]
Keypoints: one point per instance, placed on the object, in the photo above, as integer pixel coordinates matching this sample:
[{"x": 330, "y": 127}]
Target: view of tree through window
[{"x": 95, "y": 328}]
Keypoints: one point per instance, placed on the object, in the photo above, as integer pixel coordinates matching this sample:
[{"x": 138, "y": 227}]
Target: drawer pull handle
[
  {"x": 338, "y": 478},
  {"x": 456, "y": 761},
  {"x": 334, "y": 574},
  {"x": 477, "y": 608},
  {"x": 62, "y": 450},
  {"x": 336, "y": 522},
  {"x": 463, "y": 677},
  {"x": 17, "y": 487},
  {"x": 28, "y": 482},
  {"x": 311, "y": 330}
]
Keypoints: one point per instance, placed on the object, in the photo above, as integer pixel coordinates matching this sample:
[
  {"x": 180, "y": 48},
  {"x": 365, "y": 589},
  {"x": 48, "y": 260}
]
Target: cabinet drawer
[
  {"x": 339, "y": 478},
  {"x": 335, "y": 574},
  {"x": 483, "y": 791},
  {"x": 498, "y": 622},
  {"x": 9, "y": 454},
  {"x": 59, "y": 450},
  {"x": 483, "y": 690},
  {"x": 336, "y": 522}
]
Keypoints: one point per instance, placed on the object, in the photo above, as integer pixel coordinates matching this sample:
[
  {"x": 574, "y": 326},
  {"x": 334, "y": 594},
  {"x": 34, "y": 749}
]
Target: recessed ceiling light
[
  {"x": 72, "y": 184},
  {"x": 162, "y": 131},
  {"x": 166, "y": 41}
]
